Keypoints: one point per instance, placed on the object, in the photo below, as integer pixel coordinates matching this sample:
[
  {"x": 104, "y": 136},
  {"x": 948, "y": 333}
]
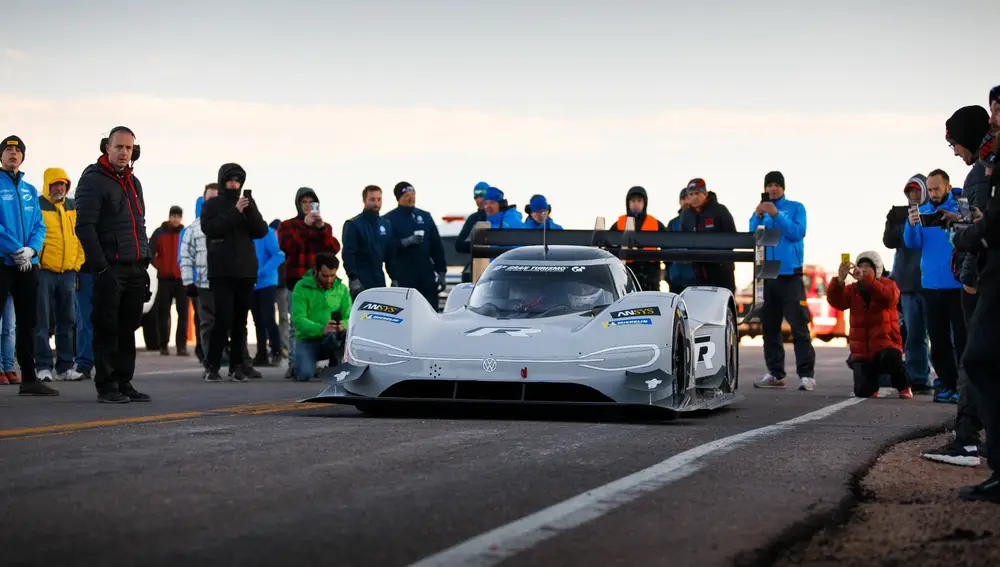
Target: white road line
[{"x": 506, "y": 541}]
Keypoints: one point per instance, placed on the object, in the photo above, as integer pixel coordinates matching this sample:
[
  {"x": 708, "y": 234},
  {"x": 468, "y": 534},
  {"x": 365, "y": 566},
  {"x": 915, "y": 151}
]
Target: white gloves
[{"x": 22, "y": 258}]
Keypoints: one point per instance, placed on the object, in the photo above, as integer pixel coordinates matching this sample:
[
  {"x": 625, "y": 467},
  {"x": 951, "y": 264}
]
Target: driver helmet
[{"x": 582, "y": 294}]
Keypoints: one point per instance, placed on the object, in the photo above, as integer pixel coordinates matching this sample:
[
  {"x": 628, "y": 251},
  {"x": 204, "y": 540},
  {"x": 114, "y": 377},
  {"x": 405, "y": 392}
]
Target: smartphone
[
  {"x": 335, "y": 316},
  {"x": 765, "y": 197},
  {"x": 314, "y": 206},
  {"x": 845, "y": 258},
  {"x": 964, "y": 209},
  {"x": 931, "y": 220},
  {"x": 247, "y": 193}
]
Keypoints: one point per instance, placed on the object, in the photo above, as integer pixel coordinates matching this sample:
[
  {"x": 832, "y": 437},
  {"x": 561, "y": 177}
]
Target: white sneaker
[
  {"x": 807, "y": 384},
  {"x": 769, "y": 381},
  {"x": 45, "y": 375},
  {"x": 70, "y": 375}
]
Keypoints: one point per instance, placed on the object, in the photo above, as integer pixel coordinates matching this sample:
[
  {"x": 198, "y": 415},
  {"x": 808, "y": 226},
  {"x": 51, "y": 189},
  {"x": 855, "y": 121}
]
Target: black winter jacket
[
  {"x": 110, "y": 217},
  {"x": 229, "y": 234},
  {"x": 714, "y": 217}
]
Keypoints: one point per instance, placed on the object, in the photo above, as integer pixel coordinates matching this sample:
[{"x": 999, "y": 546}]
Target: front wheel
[
  {"x": 732, "y": 380},
  {"x": 681, "y": 358}
]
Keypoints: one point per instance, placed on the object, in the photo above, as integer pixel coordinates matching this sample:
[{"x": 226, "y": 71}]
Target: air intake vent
[{"x": 472, "y": 390}]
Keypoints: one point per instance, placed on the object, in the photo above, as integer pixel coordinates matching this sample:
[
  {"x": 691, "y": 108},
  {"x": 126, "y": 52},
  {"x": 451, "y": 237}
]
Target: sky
[{"x": 578, "y": 101}]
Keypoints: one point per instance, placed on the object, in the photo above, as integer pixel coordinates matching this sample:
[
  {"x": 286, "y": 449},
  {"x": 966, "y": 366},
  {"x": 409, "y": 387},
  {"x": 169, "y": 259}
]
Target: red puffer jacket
[{"x": 875, "y": 326}]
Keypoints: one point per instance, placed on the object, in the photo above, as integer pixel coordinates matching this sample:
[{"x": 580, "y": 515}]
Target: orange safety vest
[{"x": 649, "y": 224}]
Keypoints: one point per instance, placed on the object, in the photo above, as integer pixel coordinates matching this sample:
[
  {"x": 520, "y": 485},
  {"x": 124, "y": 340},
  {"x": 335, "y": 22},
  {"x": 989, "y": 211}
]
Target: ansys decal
[
  {"x": 635, "y": 312},
  {"x": 381, "y": 308}
]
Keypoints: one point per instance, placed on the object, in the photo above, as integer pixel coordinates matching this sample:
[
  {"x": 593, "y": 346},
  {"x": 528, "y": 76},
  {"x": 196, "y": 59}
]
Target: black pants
[
  {"x": 945, "y": 322},
  {"x": 866, "y": 373},
  {"x": 198, "y": 351},
  {"x": 967, "y": 422},
  {"x": 264, "y": 302},
  {"x": 980, "y": 361},
  {"x": 23, "y": 286},
  {"x": 171, "y": 292},
  {"x": 119, "y": 293},
  {"x": 785, "y": 298},
  {"x": 232, "y": 298}
]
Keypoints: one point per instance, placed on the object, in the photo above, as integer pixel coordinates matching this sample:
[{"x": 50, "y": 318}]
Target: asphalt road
[{"x": 239, "y": 474}]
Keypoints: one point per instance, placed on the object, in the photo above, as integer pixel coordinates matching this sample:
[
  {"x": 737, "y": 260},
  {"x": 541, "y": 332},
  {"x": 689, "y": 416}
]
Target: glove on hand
[
  {"x": 192, "y": 290},
  {"x": 412, "y": 240},
  {"x": 24, "y": 254},
  {"x": 25, "y": 266}
]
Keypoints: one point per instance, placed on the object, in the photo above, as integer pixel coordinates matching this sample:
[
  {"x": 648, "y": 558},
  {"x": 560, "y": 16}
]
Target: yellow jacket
[{"x": 61, "y": 251}]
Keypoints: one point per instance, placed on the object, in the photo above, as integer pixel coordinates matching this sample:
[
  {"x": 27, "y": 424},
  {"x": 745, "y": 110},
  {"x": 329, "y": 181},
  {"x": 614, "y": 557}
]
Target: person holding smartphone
[
  {"x": 321, "y": 308},
  {"x": 231, "y": 222}
]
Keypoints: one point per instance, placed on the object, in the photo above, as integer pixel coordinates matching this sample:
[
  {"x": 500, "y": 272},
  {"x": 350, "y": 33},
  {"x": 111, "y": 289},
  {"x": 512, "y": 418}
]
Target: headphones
[
  {"x": 116, "y": 129},
  {"x": 527, "y": 208}
]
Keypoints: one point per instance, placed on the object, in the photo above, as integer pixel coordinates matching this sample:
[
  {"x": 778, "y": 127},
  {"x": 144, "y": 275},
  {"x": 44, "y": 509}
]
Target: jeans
[
  {"x": 56, "y": 301},
  {"x": 119, "y": 293},
  {"x": 785, "y": 298},
  {"x": 23, "y": 287},
  {"x": 262, "y": 310},
  {"x": 311, "y": 351},
  {"x": 232, "y": 298},
  {"x": 918, "y": 365},
  {"x": 84, "y": 327},
  {"x": 7, "y": 336}
]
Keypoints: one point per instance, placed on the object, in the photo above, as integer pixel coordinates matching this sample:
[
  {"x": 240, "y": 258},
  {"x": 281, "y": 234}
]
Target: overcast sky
[{"x": 576, "y": 100}]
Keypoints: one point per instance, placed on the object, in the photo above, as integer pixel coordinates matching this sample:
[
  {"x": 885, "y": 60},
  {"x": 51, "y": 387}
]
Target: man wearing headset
[{"x": 111, "y": 226}]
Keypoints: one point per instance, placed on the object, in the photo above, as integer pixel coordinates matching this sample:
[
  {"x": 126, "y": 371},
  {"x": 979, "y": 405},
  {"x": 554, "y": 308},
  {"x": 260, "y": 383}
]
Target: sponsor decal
[
  {"x": 489, "y": 364},
  {"x": 635, "y": 321},
  {"x": 381, "y": 308},
  {"x": 381, "y": 229},
  {"x": 636, "y": 312},
  {"x": 579, "y": 268},
  {"x": 653, "y": 383},
  {"x": 509, "y": 331},
  {"x": 530, "y": 268},
  {"x": 706, "y": 351},
  {"x": 380, "y": 317}
]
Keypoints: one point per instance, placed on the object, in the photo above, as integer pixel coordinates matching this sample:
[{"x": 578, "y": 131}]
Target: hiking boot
[
  {"x": 954, "y": 453},
  {"x": 37, "y": 388},
  {"x": 988, "y": 491},
  {"x": 12, "y": 377},
  {"x": 211, "y": 376},
  {"x": 134, "y": 395},
  {"x": 112, "y": 397},
  {"x": 769, "y": 381}
]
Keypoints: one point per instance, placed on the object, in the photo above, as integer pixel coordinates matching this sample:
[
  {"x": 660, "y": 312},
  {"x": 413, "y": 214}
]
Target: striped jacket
[{"x": 193, "y": 256}]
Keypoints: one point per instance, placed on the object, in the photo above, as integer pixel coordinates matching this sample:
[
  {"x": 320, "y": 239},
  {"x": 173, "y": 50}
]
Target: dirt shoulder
[{"x": 909, "y": 515}]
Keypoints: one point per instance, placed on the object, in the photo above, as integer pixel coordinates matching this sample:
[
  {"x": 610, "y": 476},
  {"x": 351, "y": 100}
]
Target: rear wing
[{"x": 628, "y": 244}]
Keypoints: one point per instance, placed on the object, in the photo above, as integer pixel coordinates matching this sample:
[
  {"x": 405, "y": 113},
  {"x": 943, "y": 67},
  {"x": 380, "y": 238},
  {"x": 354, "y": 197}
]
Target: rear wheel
[{"x": 679, "y": 364}]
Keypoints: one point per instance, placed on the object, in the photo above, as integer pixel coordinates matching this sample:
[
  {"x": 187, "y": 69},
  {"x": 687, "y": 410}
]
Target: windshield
[{"x": 529, "y": 291}]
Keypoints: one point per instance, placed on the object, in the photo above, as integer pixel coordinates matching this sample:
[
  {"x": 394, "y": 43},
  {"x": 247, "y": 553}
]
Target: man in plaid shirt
[{"x": 301, "y": 238}]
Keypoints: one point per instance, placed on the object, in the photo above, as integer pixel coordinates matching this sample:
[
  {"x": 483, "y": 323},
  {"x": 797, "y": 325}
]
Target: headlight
[
  {"x": 375, "y": 353},
  {"x": 622, "y": 358}
]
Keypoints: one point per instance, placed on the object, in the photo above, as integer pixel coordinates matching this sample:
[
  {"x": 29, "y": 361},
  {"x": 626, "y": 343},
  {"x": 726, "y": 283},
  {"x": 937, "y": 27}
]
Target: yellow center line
[{"x": 248, "y": 409}]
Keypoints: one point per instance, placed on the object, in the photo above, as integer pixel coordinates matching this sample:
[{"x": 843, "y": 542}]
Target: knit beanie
[
  {"x": 13, "y": 140},
  {"x": 493, "y": 194},
  {"x": 967, "y": 126},
  {"x": 538, "y": 203},
  {"x": 774, "y": 177},
  {"x": 480, "y": 189},
  {"x": 874, "y": 259},
  {"x": 401, "y": 188}
]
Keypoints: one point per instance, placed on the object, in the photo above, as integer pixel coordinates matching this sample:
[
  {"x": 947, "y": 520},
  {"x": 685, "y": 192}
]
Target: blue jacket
[
  {"x": 791, "y": 219},
  {"x": 679, "y": 274},
  {"x": 269, "y": 257},
  {"x": 935, "y": 248},
  {"x": 21, "y": 221},
  {"x": 367, "y": 245},
  {"x": 511, "y": 218},
  {"x": 530, "y": 223},
  {"x": 415, "y": 266}
]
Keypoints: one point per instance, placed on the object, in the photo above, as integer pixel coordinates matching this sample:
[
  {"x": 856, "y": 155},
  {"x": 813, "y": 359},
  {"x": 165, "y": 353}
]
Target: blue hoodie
[
  {"x": 21, "y": 221},
  {"x": 269, "y": 257},
  {"x": 549, "y": 225},
  {"x": 935, "y": 248},
  {"x": 791, "y": 219},
  {"x": 511, "y": 218}
]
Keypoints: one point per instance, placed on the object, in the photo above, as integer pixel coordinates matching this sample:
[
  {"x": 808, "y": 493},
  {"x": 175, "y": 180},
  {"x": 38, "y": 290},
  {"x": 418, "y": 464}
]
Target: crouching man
[
  {"x": 875, "y": 339},
  {"x": 321, "y": 306}
]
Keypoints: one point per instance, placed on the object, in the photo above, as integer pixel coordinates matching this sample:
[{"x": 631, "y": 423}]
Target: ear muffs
[{"x": 104, "y": 142}]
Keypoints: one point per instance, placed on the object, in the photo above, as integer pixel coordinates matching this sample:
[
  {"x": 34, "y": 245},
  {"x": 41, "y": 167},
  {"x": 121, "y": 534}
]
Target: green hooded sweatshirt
[{"x": 311, "y": 306}]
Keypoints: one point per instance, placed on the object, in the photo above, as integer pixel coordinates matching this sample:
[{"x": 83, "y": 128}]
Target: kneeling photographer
[{"x": 321, "y": 307}]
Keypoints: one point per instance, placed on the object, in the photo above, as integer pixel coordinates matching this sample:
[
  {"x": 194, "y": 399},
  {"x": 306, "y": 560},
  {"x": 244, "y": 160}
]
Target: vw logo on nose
[{"x": 489, "y": 364}]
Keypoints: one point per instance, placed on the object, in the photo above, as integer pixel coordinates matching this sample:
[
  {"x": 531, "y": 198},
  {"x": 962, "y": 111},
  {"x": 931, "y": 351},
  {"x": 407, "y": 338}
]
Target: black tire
[
  {"x": 680, "y": 356},
  {"x": 732, "y": 381}
]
